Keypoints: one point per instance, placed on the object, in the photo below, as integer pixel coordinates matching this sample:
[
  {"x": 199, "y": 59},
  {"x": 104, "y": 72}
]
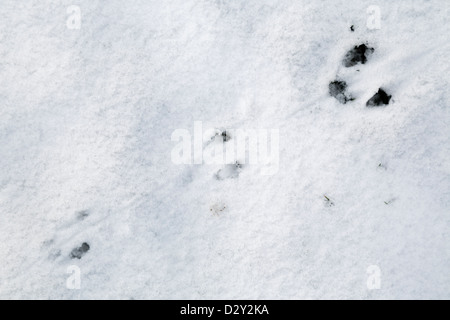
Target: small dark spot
[
  {"x": 328, "y": 201},
  {"x": 337, "y": 89},
  {"x": 83, "y": 214},
  {"x": 225, "y": 136},
  {"x": 352, "y": 28},
  {"x": 357, "y": 55},
  {"x": 382, "y": 166},
  {"x": 389, "y": 201},
  {"x": 380, "y": 98},
  {"x": 79, "y": 252}
]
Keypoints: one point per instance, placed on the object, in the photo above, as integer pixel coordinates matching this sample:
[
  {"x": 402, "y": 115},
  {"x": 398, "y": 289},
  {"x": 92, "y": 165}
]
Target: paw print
[{"x": 359, "y": 54}]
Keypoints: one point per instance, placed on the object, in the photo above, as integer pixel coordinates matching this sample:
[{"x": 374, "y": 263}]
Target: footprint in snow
[{"x": 338, "y": 88}]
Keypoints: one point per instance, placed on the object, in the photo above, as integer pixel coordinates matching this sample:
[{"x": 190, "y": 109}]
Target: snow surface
[{"x": 86, "y": 118}]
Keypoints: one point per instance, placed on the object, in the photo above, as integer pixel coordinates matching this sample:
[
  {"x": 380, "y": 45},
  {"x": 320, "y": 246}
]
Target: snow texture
[{"x": 86, "y": 117}]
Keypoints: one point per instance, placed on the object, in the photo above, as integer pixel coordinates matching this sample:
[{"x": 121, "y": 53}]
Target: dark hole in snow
[
  {"x": 225, "y": 136},
  {"x": 379, "y": 99},
  {"x": 80, "y": 251},
  {"x": 337, "y": 89},
  {"x": 352, "y": 28},
  {"x": 356, "y": 55}
]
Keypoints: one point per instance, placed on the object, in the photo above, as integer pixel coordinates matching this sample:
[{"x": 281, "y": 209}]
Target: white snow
[{"x": 86, "y": 117}]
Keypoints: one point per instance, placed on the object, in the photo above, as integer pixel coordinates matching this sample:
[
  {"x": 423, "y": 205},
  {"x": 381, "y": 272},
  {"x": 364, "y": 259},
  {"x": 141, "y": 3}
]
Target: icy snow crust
[{"x": 86, "y": 118}]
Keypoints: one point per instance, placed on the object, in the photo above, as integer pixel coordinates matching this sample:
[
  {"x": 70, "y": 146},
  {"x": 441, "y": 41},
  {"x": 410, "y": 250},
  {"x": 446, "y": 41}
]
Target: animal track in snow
[
  {"x": 338, "y": 88},
  {"x": 358, "y": 54},
  {"x": 230, "y": 171},
  {"x": 379, "y": 99},
  {"x": 79, "y": 252},
  {"x": 217, "y": 207},
  {"x": 64, "y": 232}
]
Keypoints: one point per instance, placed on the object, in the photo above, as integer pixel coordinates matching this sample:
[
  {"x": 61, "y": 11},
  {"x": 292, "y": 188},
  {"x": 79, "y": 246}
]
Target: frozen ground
[{"x": 86, "y": 117}]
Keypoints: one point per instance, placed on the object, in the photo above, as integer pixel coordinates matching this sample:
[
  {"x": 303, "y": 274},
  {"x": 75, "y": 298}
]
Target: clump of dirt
[
  {"x": 358, "y": 54},
  {"x": 379, "y": 99}
]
